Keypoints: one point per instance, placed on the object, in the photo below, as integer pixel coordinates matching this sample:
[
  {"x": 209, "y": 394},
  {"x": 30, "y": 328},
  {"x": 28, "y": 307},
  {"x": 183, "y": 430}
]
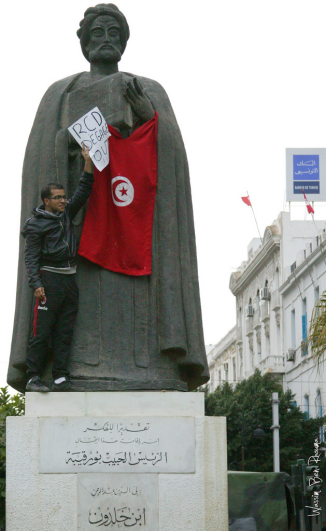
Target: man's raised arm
[{"x": 84, "y": 187}]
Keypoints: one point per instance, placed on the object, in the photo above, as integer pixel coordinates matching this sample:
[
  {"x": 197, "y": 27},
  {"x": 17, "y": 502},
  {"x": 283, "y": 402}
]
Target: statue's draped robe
[{"x": 131, "y": 332}]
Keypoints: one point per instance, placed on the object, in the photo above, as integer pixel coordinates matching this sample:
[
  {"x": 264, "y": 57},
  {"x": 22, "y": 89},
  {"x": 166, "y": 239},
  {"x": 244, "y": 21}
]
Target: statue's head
[{"x": 103, "y": 34}]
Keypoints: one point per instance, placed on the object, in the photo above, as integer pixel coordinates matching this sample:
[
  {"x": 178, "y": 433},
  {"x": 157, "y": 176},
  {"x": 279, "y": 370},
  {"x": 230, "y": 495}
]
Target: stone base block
[{"x": 111, "y": 487}]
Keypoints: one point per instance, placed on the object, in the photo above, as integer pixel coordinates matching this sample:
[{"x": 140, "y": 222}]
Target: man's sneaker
[
  {"x": 61, "y": 384},
  {"x": 35, "y": 384}
]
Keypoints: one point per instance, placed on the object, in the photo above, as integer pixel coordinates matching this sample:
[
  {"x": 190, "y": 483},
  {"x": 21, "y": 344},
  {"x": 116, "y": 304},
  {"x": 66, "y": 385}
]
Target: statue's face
[{"x": 104, "y": 45}]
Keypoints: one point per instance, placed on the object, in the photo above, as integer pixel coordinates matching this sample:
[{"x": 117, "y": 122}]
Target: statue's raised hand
[{"x": 139, "y": 102}]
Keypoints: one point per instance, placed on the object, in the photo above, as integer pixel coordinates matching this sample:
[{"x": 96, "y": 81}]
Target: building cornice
[
  {"x": 239, "y": 280},
  {"x": 224, "y": 344},
  {"x": 318, "y": 254},
  {"x": 231, "y": 343}
]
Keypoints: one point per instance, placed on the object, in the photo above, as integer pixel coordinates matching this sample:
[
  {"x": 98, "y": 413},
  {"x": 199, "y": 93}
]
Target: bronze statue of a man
[{"x": 131, "y": 333}]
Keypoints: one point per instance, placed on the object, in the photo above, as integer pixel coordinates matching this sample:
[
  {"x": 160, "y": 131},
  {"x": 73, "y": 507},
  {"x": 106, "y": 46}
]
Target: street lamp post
[
  {"x": 276, "y": 433},
  {"x": 242, "y": 445}
]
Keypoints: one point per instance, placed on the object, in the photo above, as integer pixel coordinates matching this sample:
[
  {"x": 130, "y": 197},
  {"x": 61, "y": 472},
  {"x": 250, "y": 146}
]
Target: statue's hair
[{"x": 91, "y": 14}]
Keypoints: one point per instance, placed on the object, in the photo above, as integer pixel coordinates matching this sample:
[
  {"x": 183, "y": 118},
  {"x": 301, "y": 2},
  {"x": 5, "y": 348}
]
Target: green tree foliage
[
  {"x": 251, "y": 400},
  {"x": 9, "y": 406},
  {"x": 317, "y": 330}
]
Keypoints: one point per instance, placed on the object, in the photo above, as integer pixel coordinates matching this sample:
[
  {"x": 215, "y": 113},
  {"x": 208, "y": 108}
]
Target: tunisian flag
[
  {"x": 246, "y": 200},
  {"x": 308, "y": 205},
  {"x": 117, "y": 233}
]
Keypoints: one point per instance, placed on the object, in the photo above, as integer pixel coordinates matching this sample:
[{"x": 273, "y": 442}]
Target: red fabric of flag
[
  {"x": 117, "y": 233},
  {"x": 308, "y": 205},
  {"x": 246, "y": 200}
]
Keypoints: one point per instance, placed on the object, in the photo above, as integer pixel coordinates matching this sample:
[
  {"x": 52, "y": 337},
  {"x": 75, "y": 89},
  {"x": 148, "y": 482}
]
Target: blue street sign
[{"x": 306, "y": 174}]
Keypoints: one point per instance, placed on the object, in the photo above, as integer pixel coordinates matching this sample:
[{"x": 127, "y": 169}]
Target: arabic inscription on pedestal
[
  {"x": 117, "y": 502},
  {"x": 143, "y": 445}
]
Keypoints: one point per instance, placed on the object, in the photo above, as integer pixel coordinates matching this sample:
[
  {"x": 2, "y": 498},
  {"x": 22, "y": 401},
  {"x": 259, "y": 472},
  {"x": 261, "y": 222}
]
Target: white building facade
[
  {"x": 302, "y": 288},
  {"x": 275, "y": 290},
  {"x": 222, "y": 361},
  {"x": 258, "y": 334}
]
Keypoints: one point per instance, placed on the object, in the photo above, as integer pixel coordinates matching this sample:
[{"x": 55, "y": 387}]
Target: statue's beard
[{"x": 105, "y": 55}]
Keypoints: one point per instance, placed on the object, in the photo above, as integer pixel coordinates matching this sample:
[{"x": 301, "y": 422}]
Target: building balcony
[
  {"x": 264, "y": 311},
  {"x": 257, "y": 323},
  {"x": 239, "y": 334},
  {"x": 249, "y": 326},
  {"x": 274, "y": 364},
  {"x": 275, "y": 300}
]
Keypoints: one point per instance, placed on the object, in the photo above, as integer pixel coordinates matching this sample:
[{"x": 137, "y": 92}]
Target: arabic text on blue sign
[{"x": 306, "y": 174}]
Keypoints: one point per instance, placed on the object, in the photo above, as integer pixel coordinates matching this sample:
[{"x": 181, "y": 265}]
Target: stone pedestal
[{"x": 147, "y": 460}]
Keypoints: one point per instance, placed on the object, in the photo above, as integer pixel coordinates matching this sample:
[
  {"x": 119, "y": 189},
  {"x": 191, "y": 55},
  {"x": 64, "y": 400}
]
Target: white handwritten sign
[
  {"x": 117, "y": 501},
  {"x": 133, "y": 445},
  {"x": 92, "y": 130}
]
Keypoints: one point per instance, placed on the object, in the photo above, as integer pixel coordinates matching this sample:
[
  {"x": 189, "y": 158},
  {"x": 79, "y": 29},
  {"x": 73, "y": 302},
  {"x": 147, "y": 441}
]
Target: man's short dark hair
[{"x": 46, "y": 191}]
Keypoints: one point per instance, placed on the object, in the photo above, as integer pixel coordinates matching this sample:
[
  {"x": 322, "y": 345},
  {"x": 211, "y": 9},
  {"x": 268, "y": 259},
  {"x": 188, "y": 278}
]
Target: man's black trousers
[{"x": 55, "y": 316}]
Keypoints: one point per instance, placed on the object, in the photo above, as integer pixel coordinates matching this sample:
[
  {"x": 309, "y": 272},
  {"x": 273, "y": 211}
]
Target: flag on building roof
[
  {"x": 308, "y": 205},
  {"x": 246, "y": 200}
]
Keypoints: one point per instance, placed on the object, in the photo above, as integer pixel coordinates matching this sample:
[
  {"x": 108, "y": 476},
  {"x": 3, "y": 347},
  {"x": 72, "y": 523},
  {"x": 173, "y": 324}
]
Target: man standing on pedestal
[{"x": 50, "y": 258}]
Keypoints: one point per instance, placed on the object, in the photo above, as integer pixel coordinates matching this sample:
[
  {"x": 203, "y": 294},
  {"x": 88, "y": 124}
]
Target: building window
[
  {"x": 226, "y": 370},
  {"x": 316, "y": 293},
  {"x": 304, "y": 326},
  {"x": 278, "y": 338},
  {"x": 277, "y": 278},
  {"x": 250, "y": 308},
  {"x": 306, "y": 406},
  {"x": 293, "y": 334},
  {"x": 233, "y": 368},
  {"x": 319, "y": 411},
  {"x": 241, "y": 362},
  {"x": 259, "y": 351},
  {"x": 257, "y": 299},
  {"x": 267, "y": 345},
  {"x": 219, "y": 377},
  {"x": 251, "y": 352}
]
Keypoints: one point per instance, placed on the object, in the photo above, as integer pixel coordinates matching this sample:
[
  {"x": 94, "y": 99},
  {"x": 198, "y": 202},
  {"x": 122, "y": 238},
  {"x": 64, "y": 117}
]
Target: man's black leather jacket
[{"x": 50, "y": 239}]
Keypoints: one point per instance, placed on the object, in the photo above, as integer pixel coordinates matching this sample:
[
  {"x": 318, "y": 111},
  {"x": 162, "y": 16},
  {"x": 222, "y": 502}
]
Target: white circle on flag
[{"x": 122, "y": 191}]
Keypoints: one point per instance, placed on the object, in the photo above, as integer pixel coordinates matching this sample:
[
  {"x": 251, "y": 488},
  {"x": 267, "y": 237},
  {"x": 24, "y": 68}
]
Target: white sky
[{"x": 246, "y": 79}]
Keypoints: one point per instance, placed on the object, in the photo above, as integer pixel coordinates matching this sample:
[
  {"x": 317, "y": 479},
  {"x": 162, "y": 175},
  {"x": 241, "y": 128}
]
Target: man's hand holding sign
[{"x": 92, "y": 131}]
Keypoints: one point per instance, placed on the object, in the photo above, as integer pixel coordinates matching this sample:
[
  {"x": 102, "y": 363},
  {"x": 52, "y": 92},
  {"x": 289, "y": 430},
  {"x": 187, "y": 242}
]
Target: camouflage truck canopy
[{"x": 258, "y": 501}]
